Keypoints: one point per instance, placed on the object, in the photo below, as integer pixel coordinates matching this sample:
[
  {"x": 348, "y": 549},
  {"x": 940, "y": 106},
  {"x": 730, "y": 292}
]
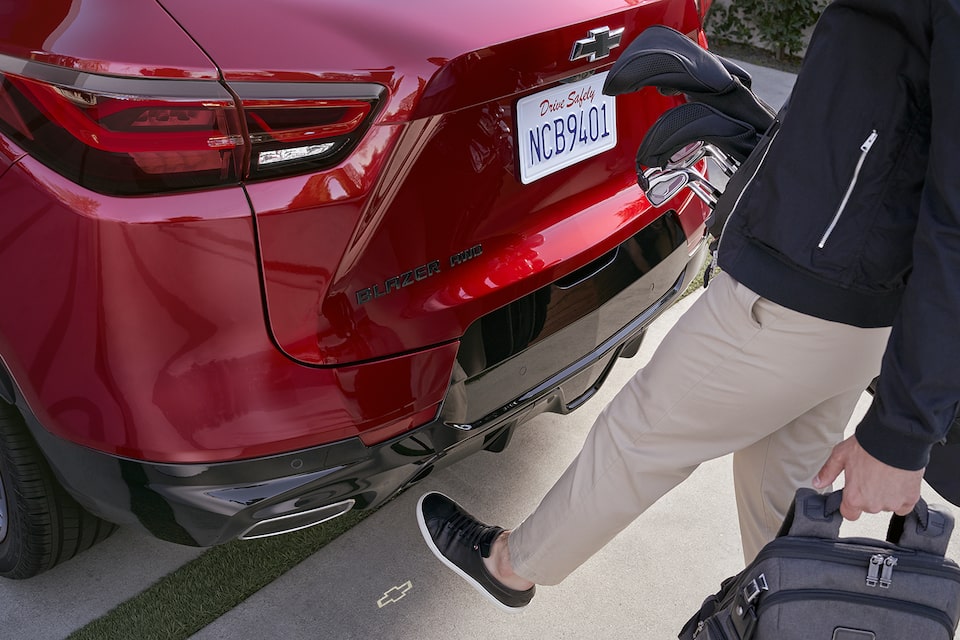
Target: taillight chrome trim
[{"x": 298, "y": 91}]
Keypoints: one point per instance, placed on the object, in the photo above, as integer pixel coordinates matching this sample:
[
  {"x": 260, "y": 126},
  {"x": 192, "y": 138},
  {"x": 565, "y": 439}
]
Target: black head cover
[
  {"x": 664, "y": 58},
  {"x": 692, "y": 122}
]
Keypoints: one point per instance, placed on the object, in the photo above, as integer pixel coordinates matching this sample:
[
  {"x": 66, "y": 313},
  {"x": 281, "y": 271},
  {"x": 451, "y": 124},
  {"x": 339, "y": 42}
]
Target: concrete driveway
[{"x": 643, "y": 585}]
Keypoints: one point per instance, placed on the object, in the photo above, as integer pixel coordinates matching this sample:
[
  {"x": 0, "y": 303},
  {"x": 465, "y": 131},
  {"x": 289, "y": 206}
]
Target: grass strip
[{"x": 199, "y": 592}]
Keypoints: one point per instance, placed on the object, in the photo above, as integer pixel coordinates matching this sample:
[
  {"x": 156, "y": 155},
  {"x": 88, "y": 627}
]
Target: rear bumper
[{"x": 207, "y": 504}]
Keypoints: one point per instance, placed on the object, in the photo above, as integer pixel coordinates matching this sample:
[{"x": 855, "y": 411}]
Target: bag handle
[
  {"x": 817, "y": 515},
  {"x": 813, "y": 515},
  {"x": 926, "y": 528}
]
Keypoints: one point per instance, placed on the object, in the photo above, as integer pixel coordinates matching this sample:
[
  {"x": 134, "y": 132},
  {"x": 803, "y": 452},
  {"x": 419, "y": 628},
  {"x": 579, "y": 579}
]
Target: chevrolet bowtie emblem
[{"x": 597, "y": 44}]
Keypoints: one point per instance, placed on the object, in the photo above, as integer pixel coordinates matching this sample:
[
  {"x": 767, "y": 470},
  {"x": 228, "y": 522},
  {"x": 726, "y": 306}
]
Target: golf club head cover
[
  {"x": 692, "y": 122},
  {"x": 664, "y": 58}
]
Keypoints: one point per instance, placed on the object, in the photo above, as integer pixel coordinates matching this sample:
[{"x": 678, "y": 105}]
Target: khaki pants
[{"x": 737, "y": 373}]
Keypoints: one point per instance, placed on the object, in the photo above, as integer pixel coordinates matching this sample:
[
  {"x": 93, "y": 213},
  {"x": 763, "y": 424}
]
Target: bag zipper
[
  {"x": 856, "y": 554},
  {"x": 913, "y": 608},
  {"x": 715, "y": 628},
  {"x": 864, "y": 150}
]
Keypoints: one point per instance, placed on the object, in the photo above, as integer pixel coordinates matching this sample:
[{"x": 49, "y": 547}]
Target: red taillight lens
[
  {"x": 312, "y": 126},
  {"x": 124, "y": 136}
]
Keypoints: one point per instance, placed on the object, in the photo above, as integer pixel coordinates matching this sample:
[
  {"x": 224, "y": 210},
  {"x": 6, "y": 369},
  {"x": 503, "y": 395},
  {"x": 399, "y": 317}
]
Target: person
[{"x": 840, "y": 259}]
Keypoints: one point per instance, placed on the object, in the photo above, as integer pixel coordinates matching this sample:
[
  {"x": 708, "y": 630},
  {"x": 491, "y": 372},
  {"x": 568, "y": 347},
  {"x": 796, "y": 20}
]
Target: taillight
[
  {"x": 125, "y": 136},
  {"x": 294, "y": 127}
]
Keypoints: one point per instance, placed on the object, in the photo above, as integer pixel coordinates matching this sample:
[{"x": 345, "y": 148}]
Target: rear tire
[{"x": 40, "y": 524}]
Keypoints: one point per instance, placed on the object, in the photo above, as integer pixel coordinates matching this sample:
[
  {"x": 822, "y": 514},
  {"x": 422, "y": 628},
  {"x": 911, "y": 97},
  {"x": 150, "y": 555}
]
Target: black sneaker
[{"x": 461, "y": 542}]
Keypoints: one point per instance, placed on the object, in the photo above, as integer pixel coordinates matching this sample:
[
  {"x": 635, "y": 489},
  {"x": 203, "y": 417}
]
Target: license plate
[{"x": 561, "y": 126}]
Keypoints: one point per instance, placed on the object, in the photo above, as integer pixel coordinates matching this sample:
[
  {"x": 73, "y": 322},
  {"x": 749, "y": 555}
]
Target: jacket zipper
[
  {"x": 864, "y": 150},
  {"x": 904, "y": 606}
]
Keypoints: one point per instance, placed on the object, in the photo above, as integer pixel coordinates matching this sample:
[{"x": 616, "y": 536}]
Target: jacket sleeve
[{"x": 918, "y": 393}]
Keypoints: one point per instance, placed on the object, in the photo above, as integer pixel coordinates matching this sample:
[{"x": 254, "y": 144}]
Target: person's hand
[{"x": 869, "y": 486}]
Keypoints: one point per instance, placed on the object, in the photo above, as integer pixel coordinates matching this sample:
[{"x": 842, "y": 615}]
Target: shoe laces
[{"x": 472, "y": 532}]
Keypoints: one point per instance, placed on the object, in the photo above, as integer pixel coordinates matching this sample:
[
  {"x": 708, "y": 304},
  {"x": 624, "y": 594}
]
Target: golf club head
[
  {"x": 697, "y": 151},
  {"x": 726, "y": 163},
  {"x": 662, "y": 184},
  {"x": 687, "y": 156}
]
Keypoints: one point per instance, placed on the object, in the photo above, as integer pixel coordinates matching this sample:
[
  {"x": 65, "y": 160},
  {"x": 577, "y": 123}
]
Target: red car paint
[{"x": 231, "y": 322}]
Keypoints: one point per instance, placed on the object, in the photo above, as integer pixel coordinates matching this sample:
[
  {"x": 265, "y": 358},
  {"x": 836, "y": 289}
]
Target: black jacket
[{"x": 853, "y": 214}]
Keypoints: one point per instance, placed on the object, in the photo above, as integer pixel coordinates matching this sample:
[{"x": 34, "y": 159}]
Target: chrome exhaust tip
[{"x": 291, "y": 522}]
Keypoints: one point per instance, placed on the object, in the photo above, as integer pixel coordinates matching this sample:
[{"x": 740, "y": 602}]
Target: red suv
[{"x": 267, "y": 262}]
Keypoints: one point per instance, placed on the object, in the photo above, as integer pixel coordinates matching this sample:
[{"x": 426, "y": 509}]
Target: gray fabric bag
[{"x": 810, "y": 584}]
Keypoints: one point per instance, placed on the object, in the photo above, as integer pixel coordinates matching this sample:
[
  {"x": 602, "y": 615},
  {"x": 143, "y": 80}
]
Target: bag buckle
[
  {"x": 744, "y": 616},
  {"x": 754, "y": 588}
]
